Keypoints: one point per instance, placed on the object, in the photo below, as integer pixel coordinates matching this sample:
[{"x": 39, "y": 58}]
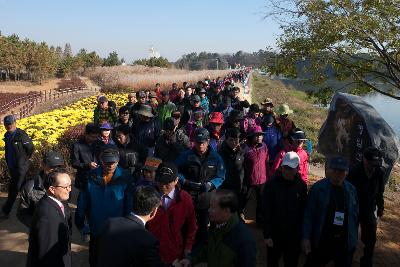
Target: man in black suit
[
  {"x": 49, "y": 237},
  {"x": 124, "y": 241}
]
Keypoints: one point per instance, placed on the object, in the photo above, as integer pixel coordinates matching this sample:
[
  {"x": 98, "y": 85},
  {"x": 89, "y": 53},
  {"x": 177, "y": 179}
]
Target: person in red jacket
[
  {"x": 175, "y": 222},
  {"x": 255, "y": 167},
  {"x": 297, "y": 138}
]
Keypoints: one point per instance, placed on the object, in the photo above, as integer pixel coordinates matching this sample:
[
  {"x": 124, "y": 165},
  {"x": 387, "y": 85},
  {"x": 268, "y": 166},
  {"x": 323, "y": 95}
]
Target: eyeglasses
[
  {"x": 125, "y": 113},
  {"x": 64, "y": 187}
]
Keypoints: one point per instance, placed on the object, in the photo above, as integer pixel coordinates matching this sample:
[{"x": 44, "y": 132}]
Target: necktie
[
  {"x": 62, "y": 209},
  {"x": 164, "y": 201}
]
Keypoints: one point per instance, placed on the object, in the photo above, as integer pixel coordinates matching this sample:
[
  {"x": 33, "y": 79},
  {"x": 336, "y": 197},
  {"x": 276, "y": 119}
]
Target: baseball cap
[
  {"x": 106, "y": 126},
  {"x": 151, "y": 163},
  {"x": 298, "y": 134},
  {"x": 338, "y": 163},
  {"x": 166, "y": 173},
  {"x": 53, "y": 159},
  {"x": 195, "y": 98},
  {"x": 291, "y": 159},
  {"x": 102, "y": 99},
  {"x": 255, "y": 130},
  {"x": 109, "y": 154},
  {"x": 9, "y": 119},
  {"x": 201, "y": 135}
]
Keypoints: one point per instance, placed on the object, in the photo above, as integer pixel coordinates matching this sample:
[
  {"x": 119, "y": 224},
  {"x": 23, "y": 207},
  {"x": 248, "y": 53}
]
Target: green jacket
[
  {"x": 230, "y": 246},
  {"x": 165, "y": 110}
]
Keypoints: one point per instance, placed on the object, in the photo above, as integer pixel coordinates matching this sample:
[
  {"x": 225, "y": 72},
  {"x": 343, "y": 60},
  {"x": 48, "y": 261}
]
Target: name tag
[{"x": 339, "y": 218}]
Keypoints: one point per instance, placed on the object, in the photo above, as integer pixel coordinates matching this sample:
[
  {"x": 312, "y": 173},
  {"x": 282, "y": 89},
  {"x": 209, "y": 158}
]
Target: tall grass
[{"x": 134, "y": 78}]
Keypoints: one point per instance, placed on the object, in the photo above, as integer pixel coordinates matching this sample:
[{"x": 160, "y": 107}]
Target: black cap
[
  {"x": 269, "y": 118},
  {"x": 53, "y": 159},
  {"x": 338, "y": 163},
  {"x": 166, "y": 173},
  {"x": 164, "y": 93},
  {"x": 374, "y": 156},
  {"x": 298, "y": 134},
  {"x": 109, "y": 153},
  {"x": 9, "y": 119},
  {"x": 201, "y": 135}
]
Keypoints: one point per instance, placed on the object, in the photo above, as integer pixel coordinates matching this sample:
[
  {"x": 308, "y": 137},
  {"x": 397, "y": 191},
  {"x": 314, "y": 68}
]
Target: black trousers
[
  {"x": 368, "y": 237},
  {"x": 321, "y": 256},
  {"x": 290, "y": 251},
  {"x": 93, "y": 251},
  {"x": 13, "y": 188},
  {"x": 255, "y": 190},
  {"x": 202, "y": 222}
]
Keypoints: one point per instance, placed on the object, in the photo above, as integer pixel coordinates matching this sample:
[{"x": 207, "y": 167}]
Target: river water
[{"x": 387, "y": 107}]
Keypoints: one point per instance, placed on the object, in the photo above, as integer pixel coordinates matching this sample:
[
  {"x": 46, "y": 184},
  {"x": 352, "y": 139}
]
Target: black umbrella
[{"x": 353, "y": 125}]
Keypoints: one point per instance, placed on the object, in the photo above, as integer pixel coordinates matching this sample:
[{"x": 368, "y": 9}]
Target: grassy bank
[{"x": 306, "y": 116}]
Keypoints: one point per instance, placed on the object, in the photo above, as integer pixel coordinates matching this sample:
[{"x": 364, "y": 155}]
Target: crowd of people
[{"x": 165, "y": 180}]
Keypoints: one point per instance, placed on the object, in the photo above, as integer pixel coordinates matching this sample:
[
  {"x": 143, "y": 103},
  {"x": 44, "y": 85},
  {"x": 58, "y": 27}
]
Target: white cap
[{"x": 291, "y": 159}]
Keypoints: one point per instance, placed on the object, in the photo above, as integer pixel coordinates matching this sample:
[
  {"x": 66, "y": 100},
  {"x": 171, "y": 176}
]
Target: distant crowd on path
[{"x": 166, "y": 179}]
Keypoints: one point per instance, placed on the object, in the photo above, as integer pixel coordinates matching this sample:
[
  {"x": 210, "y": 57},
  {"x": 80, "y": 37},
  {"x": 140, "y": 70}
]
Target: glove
[
  {"x": 192, "y": 186},
  {"x": 207, "y": 187}
]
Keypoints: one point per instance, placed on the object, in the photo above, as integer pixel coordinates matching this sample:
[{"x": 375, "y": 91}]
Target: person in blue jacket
[
  {"x": 103, "y": 197},
  {"x": 201, "y": 171},
  {"x": 330, "y": 225}
]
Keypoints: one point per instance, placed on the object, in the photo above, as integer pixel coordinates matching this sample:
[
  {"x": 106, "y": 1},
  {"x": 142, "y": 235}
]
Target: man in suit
[
  {"x": 49, "y": 237},
  {"x": 124, "y": 241}
]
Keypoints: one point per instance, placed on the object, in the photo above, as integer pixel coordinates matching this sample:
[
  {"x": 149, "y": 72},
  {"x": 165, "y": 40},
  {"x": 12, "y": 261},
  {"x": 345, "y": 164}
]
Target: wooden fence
[{"x": 28, "y": 102}]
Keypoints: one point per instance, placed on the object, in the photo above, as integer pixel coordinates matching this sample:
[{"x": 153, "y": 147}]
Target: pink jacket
[
  {"x": 303, "y": 168},
  {"x": 256, "y": 164}
]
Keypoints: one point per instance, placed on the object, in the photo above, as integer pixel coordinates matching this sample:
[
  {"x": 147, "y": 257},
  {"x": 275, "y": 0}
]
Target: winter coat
[
  {"x": 147, "y": 133},
  {"x": 81, "y": 155},
  {"x": 175, "y": 227},
  {"x": 283, "y": 207},
  {"x": 164, "y": 111},
  {"x": 256, "y": 164},
  {"x": 109, "y": 115},
  {"x": 272, "y": 138},
  {"x": 317, "y": 207},
  {"x": 100, "y": 201},
  {"x": 21, "y": 152},
  {"x": 229, "y": 246},
  {"x": 208, "y": 168},
  {"x": 234, "y": 165},
  {"x": 132, "y": 155},
  {"x": 171, "y": 151},
  {"x": 369, "y": 190}
]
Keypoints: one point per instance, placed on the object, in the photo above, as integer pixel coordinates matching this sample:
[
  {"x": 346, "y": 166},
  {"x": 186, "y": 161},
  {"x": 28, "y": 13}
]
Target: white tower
[{"x": 153, "y": 52}]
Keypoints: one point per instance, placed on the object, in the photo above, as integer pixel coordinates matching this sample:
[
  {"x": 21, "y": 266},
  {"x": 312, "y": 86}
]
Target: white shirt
[
  {"x": 140, "y": 218},
  {"x": 58, "y": 203},
  {"x": 168, "y": 198}
]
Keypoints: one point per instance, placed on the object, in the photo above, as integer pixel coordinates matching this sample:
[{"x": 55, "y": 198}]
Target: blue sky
[{"x": 173, "y": 27}]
